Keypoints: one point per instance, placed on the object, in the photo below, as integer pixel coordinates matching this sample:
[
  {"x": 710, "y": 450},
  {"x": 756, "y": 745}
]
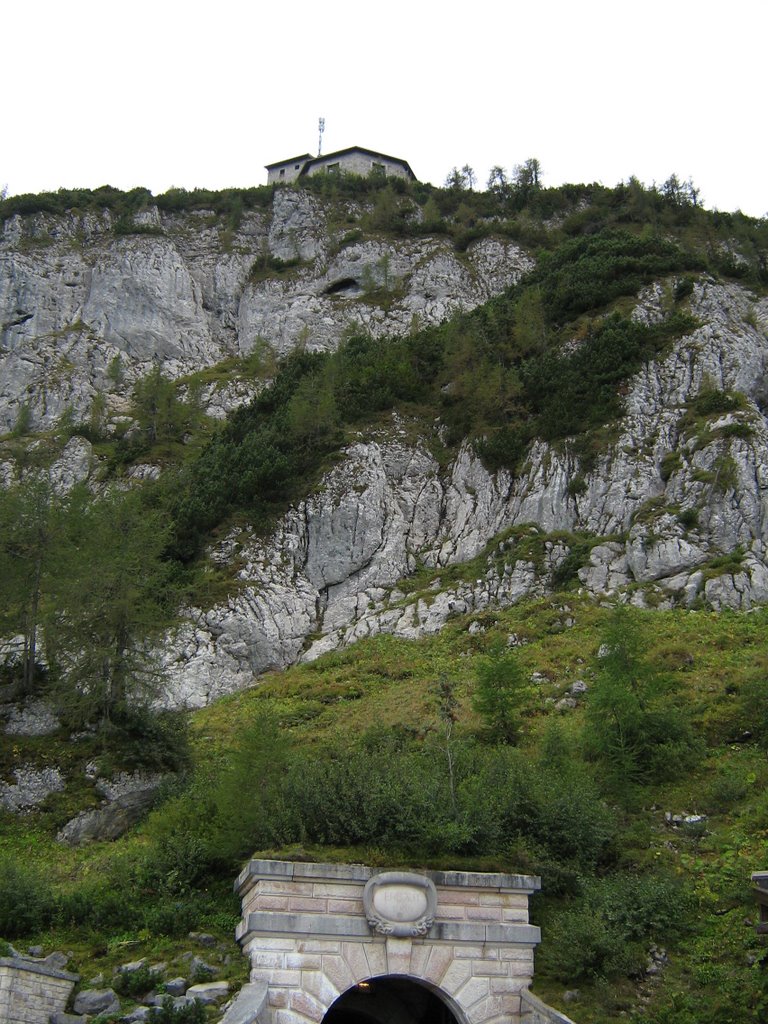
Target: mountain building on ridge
[{"x": 354, "y": 160}]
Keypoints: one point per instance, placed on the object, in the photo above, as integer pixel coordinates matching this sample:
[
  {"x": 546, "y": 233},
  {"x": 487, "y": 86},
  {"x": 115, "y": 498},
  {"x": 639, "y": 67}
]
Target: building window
[
  {"x": 296, "y": 167},
  {"x": 333, "y": 168},
  {"x": 378, "y": 169},
  {"x": 282, "y": 172}
]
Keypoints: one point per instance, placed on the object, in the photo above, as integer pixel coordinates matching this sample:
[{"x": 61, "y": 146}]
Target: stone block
[
  {"x": 304, "y": 961},
  {"x": 376, "y": 954},
  {"x": 419, "y": 958},
  {"x": 264, "y": 958},
  {"x": 345, "y": 907},
  {"x": 307, "y": 1006},
  {"x": 475, "y": 952},
  {"x": 338, "y": 973},
  {"x": 490, "y": 914},
  {"x": 467, "y": 897},
  {"x": 318, "y": 946},
  {"x": 319, "y": 986},
  {"x": 283, "y": 978},
  {"x": 486, "y": 968},
  {"x": 499, "y": 1008},
  {"x": 271, "y": 943},
  {"x": 514, "y": 915},
  {"x": 266, "y": 901},
  {"x": 440, "y": 958},
  {"x": 457, "y": 974},
  {"x": 280, "y": 888},
  {"x": 399, "y": 955},
  {"x": 247, "y": 1005},
  {"x": 308, "y": 904},
  {"x": 472, "y": 991},
  {"x": 332, "y": 872},
  {"x": 450, "y": 912},
  {"x": 354, "y": 955},
  {"x": 506, "y": 986},
  {"x": 338, "y": 890}
]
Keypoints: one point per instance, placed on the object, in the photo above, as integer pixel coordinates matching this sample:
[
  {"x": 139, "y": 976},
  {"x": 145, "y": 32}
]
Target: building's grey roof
[{"x": 290, "y": 160}]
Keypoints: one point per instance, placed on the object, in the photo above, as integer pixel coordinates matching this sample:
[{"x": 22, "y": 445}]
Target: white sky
[{"x": 190, "y": 94}]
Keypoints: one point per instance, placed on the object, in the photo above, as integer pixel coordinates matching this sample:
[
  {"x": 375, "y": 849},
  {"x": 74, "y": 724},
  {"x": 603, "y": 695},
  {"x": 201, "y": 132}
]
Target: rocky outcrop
[
  {"x": 127, "y": 797},
  {"x": 31, "y": 787},
  {"x": 85, "y": 311},
  {"x": 689, "y": 529}
]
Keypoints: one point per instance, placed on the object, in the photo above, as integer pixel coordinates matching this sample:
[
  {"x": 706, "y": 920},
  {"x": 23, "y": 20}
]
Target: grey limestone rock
[
  {"x": 96, "y": 1001},
  {"x": 208, "y": 992},
  {"x": 107, "y": 822},
  {"x": 32, "y": 786},
  {"x": 183, "y": 298},
  {"x": 125, "y": 783},
  {"x": 33, "y": 717},
  {"x": 176, "y": 986},
  {"x": 138, "y": 1015}
]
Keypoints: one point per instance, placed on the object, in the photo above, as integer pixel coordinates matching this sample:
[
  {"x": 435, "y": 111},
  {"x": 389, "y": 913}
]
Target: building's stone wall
[
  {"x": 287, "y": 171},
  {"x": 30, "y": 992},
  {"x": 306, "y": 932},
  {"x": 360, "y": 163}
]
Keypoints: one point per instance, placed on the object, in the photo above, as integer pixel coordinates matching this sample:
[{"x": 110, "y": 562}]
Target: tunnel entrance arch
[
  {"x": 390, "y": 1000},
  {"x": 339, "y": 943}
]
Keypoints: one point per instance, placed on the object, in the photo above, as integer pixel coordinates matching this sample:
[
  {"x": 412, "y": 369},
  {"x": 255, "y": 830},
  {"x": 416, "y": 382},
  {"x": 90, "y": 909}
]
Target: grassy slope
[{"x": 387, "y": 682}]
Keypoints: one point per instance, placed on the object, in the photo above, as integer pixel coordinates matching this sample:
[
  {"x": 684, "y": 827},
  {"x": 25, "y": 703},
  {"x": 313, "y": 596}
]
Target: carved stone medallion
[{"x": 400, "y": 903}]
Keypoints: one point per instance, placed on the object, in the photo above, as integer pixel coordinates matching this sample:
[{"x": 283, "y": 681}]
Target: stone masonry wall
[
  {"x": 30, "y": 993},
  {"x": 358, "y": 163},
  {"x": 306, "y": 932}
]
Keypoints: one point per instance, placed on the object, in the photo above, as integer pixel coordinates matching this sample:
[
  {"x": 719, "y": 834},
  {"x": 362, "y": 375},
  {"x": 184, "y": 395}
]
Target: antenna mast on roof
[{"x": 321, "y": 126}]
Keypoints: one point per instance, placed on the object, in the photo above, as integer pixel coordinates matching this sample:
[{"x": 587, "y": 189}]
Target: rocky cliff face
[
  {"x": 329, "y": 573},
  {"x": 85, "y": 311},
  {"x": 672, "y": 511}
]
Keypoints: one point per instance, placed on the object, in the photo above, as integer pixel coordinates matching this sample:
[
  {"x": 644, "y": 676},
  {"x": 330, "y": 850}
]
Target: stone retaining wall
[
  {"x": 31, "y": 992},
  {"x": 533, "y": 1011}
]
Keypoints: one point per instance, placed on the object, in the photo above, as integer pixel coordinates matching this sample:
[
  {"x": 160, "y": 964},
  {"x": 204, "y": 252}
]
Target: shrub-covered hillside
[{"x": 619, "y": 754}]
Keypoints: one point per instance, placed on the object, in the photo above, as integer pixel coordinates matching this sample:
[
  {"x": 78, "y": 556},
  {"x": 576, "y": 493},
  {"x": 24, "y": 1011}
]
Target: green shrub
[
  {"x": 683, "y": 288},
  {"x": 100, "y": 905},
  {"x": 633, "y": 727},
  {"x": 501, "y": 692},
  {"x": 670, "y": 464},
  {"x": 26, "y": 899},
  {"x": 752, "y": 709},
  {"x": 175, "y": 918},
  {"x": 154, "y": 740},
  {"x": 167, "y": 1013},
  {"x": 724, "y": 791},
  {"x": 608, "y": 930},
  {"x": 135, "y": 984}
]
